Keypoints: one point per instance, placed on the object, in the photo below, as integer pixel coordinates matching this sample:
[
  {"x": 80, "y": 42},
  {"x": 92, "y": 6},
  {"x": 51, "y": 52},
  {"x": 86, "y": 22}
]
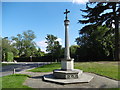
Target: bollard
[
  {"x": 13, "y": 70},
  {"x": 38, "y": 65}
]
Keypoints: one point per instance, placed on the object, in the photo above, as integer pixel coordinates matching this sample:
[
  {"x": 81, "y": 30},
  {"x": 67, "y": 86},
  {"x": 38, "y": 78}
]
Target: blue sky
[{"x": 41, "y": 17}]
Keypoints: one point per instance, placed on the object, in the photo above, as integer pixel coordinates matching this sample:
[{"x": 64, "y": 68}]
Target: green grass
[
  {"x": 14, "y": 81},
  {"x": 108, "y": 69},
  {"x": 46, "y": 68},
  {"x": 109, "y": 89}
]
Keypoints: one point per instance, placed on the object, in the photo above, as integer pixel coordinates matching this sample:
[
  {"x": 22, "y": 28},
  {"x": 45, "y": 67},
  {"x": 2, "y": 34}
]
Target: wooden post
[{"x": 13, "y": 70}]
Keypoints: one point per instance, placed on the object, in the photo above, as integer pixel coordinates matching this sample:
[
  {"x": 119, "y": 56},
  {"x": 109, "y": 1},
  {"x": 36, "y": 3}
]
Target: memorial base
[
  {"x": 72, "y": 74},
  {"x": 67, "y": 74},
  {"x": 83, "y": 78},
  {"x": 67, "y": 64}
]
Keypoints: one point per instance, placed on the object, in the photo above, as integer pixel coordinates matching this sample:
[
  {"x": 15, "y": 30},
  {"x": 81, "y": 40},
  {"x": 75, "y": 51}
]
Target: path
[{"x": 97, "y": 82}]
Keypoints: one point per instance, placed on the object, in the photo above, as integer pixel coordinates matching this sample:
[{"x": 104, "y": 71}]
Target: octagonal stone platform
[{"x": 83, "y": 78}]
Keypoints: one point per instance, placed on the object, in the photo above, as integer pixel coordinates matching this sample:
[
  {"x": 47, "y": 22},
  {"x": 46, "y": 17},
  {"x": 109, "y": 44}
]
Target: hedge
[{"x": 35, "y": 59}]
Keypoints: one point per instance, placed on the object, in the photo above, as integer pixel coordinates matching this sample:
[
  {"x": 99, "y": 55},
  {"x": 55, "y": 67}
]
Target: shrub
[{"x": 9, "y": 56}]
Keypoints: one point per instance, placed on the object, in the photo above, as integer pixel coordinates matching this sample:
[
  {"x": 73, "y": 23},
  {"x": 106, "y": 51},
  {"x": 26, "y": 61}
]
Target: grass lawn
[
  {"x": 46, "y": 68},
  {"x": 109, "y": 69},
  {"x": 14, "y": 81}
]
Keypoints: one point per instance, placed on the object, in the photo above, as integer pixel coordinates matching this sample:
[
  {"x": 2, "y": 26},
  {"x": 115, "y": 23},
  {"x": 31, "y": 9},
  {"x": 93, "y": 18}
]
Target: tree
[
  {"x": 0, "y": 48},
  {"x": 39, "y": 53},
  {"x": 8, "y": 47},
  {"x": 96, "y": 45},
  {"x": 18, "y": 43},
  {"x": 73, "y": 49},
  {"x": 97, "y": 16},
  {"x": 25, "y": 44},
  {"x": 54, "y": 48}
]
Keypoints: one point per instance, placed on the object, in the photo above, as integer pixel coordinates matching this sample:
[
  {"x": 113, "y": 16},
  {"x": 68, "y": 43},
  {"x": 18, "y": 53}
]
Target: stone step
[{"x": 70, "y": 74}]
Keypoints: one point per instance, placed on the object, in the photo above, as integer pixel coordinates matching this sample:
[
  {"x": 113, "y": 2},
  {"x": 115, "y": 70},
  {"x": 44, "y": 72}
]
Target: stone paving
[{"x": 35, "y": 81}]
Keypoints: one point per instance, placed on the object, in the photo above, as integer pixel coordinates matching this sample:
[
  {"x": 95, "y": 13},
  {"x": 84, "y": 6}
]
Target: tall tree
[
  {"x": 8, "y": 47},
  {"x": 73, "y": 49},
  {"x": 25, "y": 44},
  {"x": 96, "y": 44},
  {"x": 54, "y": 48},
  {"x": 103, "y": 14},
  {"x": 18, "y": 43}
]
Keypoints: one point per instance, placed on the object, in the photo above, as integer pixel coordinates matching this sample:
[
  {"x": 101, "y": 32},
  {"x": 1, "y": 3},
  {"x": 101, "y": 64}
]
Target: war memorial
[{"x": 67, "y": 74}]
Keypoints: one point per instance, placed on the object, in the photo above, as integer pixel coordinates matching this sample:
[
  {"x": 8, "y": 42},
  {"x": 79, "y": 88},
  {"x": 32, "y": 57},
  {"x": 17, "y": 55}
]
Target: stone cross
[
  {"x": 66, "y": 12},
  {"x": 66, "y": 23}
]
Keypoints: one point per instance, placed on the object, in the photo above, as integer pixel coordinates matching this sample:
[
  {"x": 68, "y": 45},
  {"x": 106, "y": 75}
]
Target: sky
[{"x": 42, "y": 18}]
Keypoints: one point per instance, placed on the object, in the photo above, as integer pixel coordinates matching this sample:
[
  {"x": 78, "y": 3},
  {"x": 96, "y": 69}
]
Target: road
[{"x": 20, "y": 66}]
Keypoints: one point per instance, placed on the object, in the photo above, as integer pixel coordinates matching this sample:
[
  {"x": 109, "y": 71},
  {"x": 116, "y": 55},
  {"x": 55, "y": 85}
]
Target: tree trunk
[{"x": 117, "y": 36}]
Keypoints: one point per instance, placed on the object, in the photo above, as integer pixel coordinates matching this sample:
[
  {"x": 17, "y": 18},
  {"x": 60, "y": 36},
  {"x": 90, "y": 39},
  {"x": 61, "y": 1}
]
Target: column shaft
[{"x": 67, "y": 53}]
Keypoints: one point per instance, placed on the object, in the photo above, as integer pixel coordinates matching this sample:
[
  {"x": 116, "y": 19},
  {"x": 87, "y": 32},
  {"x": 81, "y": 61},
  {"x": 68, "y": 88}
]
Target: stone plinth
[
  {"x": 84, "y": 78},
  {"x": 67, "y": 64},
  {"x": 72, "y": 74}
]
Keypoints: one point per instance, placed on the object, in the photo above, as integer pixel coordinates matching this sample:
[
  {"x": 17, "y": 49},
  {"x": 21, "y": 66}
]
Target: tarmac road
[{"x": 20, "y": 66}]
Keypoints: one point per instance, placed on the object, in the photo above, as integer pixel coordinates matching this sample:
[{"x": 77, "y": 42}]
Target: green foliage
[
  {"x": 50, "y": 41},
  {"x": 25, "y": 44},
  {"x": 9, "y": 57},
  {"x": 21, "y": 46},
  {"x": 39, "y": 53},
  {"x": 54, "y": 48},
  {"x": 97, "y": 16},
  {"x": 96, "y": 44},
  {"x": 14, "y": 81},
  {"x": 98, "y": 36},
  {"x": 7, "y": 47},
  {"x": 73, "y": 50}
]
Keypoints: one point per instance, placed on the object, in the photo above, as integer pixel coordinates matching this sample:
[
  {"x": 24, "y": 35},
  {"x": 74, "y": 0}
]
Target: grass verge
[
  {"x": 106, "y": 69},
  {"x": 14, "y": 81},
  {"x": 46, "y": 68}
]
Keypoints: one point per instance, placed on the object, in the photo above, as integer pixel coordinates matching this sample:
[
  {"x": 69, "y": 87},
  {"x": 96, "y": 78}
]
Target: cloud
[
  {"x": 80, "y": 1},
  {"x": 12, "y": 42},
  {"x": 42, "y": 45},
  {"x": 60, "y": 40}
]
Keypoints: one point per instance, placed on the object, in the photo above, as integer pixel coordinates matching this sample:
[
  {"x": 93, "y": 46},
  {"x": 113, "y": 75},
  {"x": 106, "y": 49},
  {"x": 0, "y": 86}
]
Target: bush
[{"x": 9, "y": 56}]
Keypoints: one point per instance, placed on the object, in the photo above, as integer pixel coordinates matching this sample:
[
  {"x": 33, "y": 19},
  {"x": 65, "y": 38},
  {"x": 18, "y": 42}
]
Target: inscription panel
[{"x": 66, "y": 76}]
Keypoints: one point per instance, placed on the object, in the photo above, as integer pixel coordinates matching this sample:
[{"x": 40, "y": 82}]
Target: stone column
[
  {"x": 67, "y": 53},
  {"x": 67, "y": 63}
]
